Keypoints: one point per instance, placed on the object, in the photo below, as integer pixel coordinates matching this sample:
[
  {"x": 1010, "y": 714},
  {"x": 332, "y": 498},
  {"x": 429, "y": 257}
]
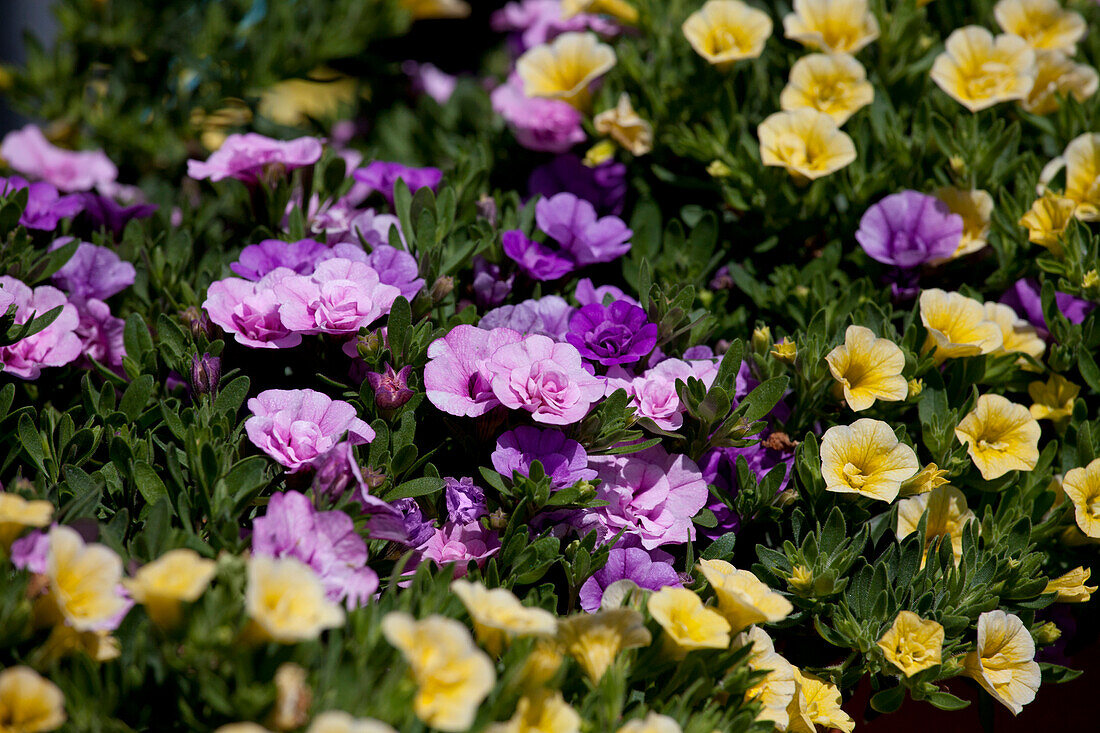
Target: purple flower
[
  {"x": 537, "y": 261},
  {"x": 429, "y": 79},
  {"x": 382, "y": 176},
  {"x": 55, "y": 345},
  {"x": 401, "y": 521},
  {"x": 460, "y": 543},
  {"x": 31, "y": 552},
  {"x": 374, "y": 228},
  {"x": 534, "y": 22},
  {"x": 295, "y": 427},
  {"x": 545, "y": 125},
  {"x": 633, "y": 564},
  {"x": 490, "y": 288},
  {"x": 45, "y": 206},
  {"x": 619, "y": 333},
  {"x": 247, "y": 157},
  {"x": 256, "y": 260},
  {"x": 1025, "y": 298},
  {"x": 92, "y": 271},
  {"x": 603, "y": 186},
  {"x": 206, "y": 374},
  {"x": 587, "y": 293},
  {"x": 652, "y": 495},
  {"x": 340, "y": 297},
  {"x": 654, "y": 393},
  {"x": 100, "y": 333},
  {"x": 547, "y": 316},
  {"x": 326, "y": 541},
  {"x": 391, "y": 389},
  {"x": 250, "y": 311},
  {"x": 104, "y": 211},
  {"x": 29, "y": 152},
  {"x": 545, "y": 378},
  {"x": 719, "y": 467},
  {"x": 455, "y": 378},
  {"x": 563, "y": 460},
  {"x": 465, "y": 500},
  {"x": 909, "y": 228},
  {"x": 572, "y": 222},
  {"x": 397, "y": 268}
]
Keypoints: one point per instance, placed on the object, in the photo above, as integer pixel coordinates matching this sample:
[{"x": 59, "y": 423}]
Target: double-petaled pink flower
[{"x": 297, "y": 426}]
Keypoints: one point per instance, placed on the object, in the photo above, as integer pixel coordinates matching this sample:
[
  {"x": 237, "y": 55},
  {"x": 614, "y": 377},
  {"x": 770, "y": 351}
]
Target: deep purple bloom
[
  {"x": 547, "y": 316},
  {"x": 719, "y": 467},
  {"x": 572, "y": 222},
  {"x": 604, "y": 186},
  {"x": 402, "y": 521},
  {"x": 391, "y": 389},
  {"x": 206, "y": 373},
  {"x": 456, "y": 379},
  {"x": 465, "y": 500},
  {"x": 619, "y": 333},
  {"x": 1025, "y": 298},
  {"x": 397, "y": 268},
  {"x": 382, "y": 176},
  {"x": 545, "y": 125},
  {"x": 55, "y": 345},
  {"x": 45, "y": 206},
  {"x": 29, "y": 152},
  {"x": 908, "y": 229},
  {"x": 247, "y": 157},
  {"x": 490, "y": 288},
  {"x": 92, "y": 272},
  {"x": 537, "y": 261},
  {"x": 298, "y": 426},
  {"x": 563, "y": 460},
  {"x": 587, "y": 293},
  {"x": 633, "y": 564},
  {"x": 256, "y": 260},
  {"x": 104, "y": 211}
]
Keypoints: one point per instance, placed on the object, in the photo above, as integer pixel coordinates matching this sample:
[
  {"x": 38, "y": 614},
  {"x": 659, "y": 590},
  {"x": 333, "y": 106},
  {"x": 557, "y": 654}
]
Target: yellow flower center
[
  {"x": 991, "y": 79},
  {"x": 792, "y": 149},
  {"x": 1093, "y": 507},
  {"x": 722, "y": 39},
  {"x": 855, "y": 476},
  {"x": 997, "y": 445}
]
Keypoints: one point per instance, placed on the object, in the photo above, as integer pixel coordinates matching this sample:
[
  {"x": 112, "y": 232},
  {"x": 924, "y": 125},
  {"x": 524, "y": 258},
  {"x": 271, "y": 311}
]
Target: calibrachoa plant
[{"x": 547, "y": 365}]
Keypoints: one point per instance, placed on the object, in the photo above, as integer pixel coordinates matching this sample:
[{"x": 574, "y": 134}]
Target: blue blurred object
[{"x": 18, "y": 17}]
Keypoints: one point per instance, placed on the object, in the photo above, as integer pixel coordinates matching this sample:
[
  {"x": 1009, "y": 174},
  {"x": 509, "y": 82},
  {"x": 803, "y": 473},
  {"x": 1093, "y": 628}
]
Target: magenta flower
[
  {"x": 326, "y": 541},
  {"x": 247, "y": 157},
  {"x": 909, "y": 228},
  {"x": 460, "y": 543},
  {"x": 619, "y": 333},
  {"x": 56, "y": 345},
  {"x": 586, "y": 293},
  {"x": 92, "y": 272},
  {"x": 563, "y": 460},
  {"x": 250, "y": 311},
  {"x": 573, "y": 224},
  {"x": 340, "y": 297},
  {"x": 45, "y": 206},
  {"x": 256, "y": 260},
  {"x": 29, "y": 152},
  {"x": 100, "y": 333},
  {"x": 465, "y": 500},
  {"x": 654, "y": 393},
  {"x": 297, "y": 426},
  {"x": 633, "y": 564},
  {"x": 545, "y": 378},
  {"x": 455, "y": 379},
  {"x": 537, "y": 261},
  {"x": 544, "y": 125},
  {"x": 547, "y": 316},
  {"x": 382, "y": 176},
  {"x": 651, "y": 494}
]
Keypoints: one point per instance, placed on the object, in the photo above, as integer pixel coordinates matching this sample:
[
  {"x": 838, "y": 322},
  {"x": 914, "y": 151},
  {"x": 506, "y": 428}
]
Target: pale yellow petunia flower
[
  {"x": 806, "y": 142},
  {"x": 83, "y": 583},
  {"x": 337, "y": 721},
  {"x": 625, "y": 127},
  {"x": 18, "y": 514},
  {"x": 776, "y": 691},
  {"x": 688, "y": 624},
  {"x": 743, "y": 598},
  {"x": 868, "y": 368},
  {"x": 1047, "y": 219},
  {"x": 1000, "y": 436},
  {"x": 321, "y": 96},
  {"x": 866, "y": 458},
  {"x": 1071, "y": 587},
  {"x": 816, "y": 702},
  {"x": 1004, "y": 662},
  {"x": 978, "y": 71},
  {"x": 1082, "y": 161},
  {"x": 29, "y": 703},
  {"x": 286, "y": 601},
  {"x": 499, "y": 616},
  {"x": 1044, "y": 24},
  {"x": 1053, "y": 400},
  {"x": 835, "y": 84},
  {"x": 543, "y": 711},
  {"x": 1058, "y": 75},
  {"x": 565, "y": 68},
  {"x": 1082, "y": 487},
  {"x": 596, "y": 639},
  {"x": 652, "y": 723},
  {"x": 837, "y": 26},
  {"x": 957, "y": 325},
  {"x": 1017, "y": 335},
  {"x": 947, "y": 515},
  {"x": 912, "y": 644},
  {"x": 726, "y": 31},
  {"x": 976, "y": 209},
  {"x": 618, "y": 9},
  {"x": 176, "y": 577}
]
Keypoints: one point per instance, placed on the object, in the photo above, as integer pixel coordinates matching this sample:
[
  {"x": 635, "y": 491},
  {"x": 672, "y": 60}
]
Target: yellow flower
[
  {"x": 816, "y": 702},
  {"x": 564, "y": 68},
  {"x": 1001, "y": 436},
  {"x": 1058, "y": 75},
  {"x": 595, "y": 639},
  {"x": 806, "y": 142},
  {"x": 957, "y": 325},
  {"x": 1053, "y": 400},
  {"x": 1082, "y": 487},
  {"x": 337, "y": 721},
  {"x": 618, "y": 9},
  {"x": 868, "y": 368},
  {"x": 1044, "y": 24},
  {"x": 687, "y": 622},
  {"x": 652, "y": 723},
  {"x": 866, "y": 458},
  {"x": 430, "y": 9},
  {"x": 175, "y": 577},
  {"x": 785, "y": 351},
  {"x": 976, "y": 209},
  {"x": 599, "y": 153},
  {"x": 1017, "y": 335},
  {"x": 1004, "y": 662},
  {"x": 452, "y": 675},
  {"x": 29, "y": 703},
  {"x": 498, "y": 615},
  {"x": 801, "y": 580},
  {"x": 286, "y": 601},
  {"x": 83, "y": 583},
  {"x": 836, "y": 26},
  {"x": 835, "y": 84},
  {"x": 947, "y": 515},
  {"x": 542, "y": 712},
  {"x": 927, "y": 479},
  {"x": 1047, "y": 219},
  {"x": 725, "y": 31},
  {"x": 542, "y": 663},
  {"x": 776, "y": 691},
  {"x": 18, "y": 514},
  {"x": 295, "y": 102},
  {"x": 978, "y": 71},
  {"x": 625, "y": 127},
  {"x": 742, "y": 597},
  {"x": 1071, "y": 587},
  {"x": 912, "y": 644},
  {"x": 1082, "y": 159},
  {"x": 215, "y": 127}
]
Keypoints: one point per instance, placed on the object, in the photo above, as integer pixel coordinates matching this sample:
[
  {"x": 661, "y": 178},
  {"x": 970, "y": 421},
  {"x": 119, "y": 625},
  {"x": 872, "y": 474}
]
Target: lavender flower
[
  {"x": 340, "y": 297},
  {"x": 604, "y": 186},
  {"x": 490, "y": 288},
  {"x": 465, "y": 500},
  {"x": 103, "y": 211},
  {"x": 382, "y": 176},
  {"x": 619, "y": 333},
  {"x": 55, "y": 345},
  {"x": 534, "y": 22},
  {"x": 572, "y": 222},
  {"x": 250, "y": 311},
  {"x": 1025, "y": 298},
  {"x": 456, "y": 379},
  {"x": 92, "y": 271},
  {"x": 45, "y": 206},
  {"x": 586, "y": 293},
  {"x": 907, "y": 229},
  {"x": 247, "y": 157},
  {"x": 29, "y": 152},
  {"x": 547, "y": 316},
  {"x": 633, "y": 564},
  {"x": 460, "y": 544},
  {"x": 563, "y": 460},
  {"x": 296, "y": 427},
  {"x": 256, "y": 260},
  {"x": 537, "y": 261},
  {"x": 100, "y": 333}
]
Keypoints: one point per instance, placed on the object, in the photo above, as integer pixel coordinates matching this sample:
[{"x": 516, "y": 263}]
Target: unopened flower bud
[
  {"x": 801, "y": 579},
  {"x": 786, "y": 497},
  {"x": 206, "y": 373},
  {"x": 292, "y": 697},
  {"x": 761, "y": 340},
  {"x": 441, "y": 288},
  {"x": 1047, "y": 633},
  {"x": 718, "y": 169},
  {"x": 785, "y": 351},
  {"x": 721, "y": 279},
  {"x": 916, "y": 386},
  {"x": 371, "y": 345},
  {"x": 599, "y": 153},
  {"x": 1090, "y": 280},
  {"x": 197, "y": 322},
  {"x": 487, "y": 209},
  {"x": 373, "y": 478},
  {"x": 391, "y": 389}
]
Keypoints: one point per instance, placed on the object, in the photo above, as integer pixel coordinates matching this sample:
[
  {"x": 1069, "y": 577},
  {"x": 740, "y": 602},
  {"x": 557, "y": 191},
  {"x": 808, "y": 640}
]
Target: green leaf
[
  {"x": 947, "y": 701},
  {"x": 231, "y": 397},
  {"x": 721, "y": 548},
  {"x": 416, "y": 487},
  {"x": 137, "y": 396},
  {"x": 1089, "y": 370},
  {"x": 32, "y": 441},
  {"x": 1056, "y": 674},
  {"x": 888, "y": 701},
  {"x": 761, "y": 400},
  {"x": 148, "y": 483}
]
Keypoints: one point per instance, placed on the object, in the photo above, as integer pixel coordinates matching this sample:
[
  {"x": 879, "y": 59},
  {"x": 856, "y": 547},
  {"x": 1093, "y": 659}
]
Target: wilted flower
[
  {"x": 30, "y": 153},
  {"x": 1057, "y": 76},
  {"x": 957, "y": 325},
  {"x": 816, "y": 702},
  {"x": 908, "y": 229},
  {"x": 29, "y": 703},
  {"x": 688, "y": 624},
  {"x": 286, "y": 601},
  {"x": 18, "y": 514},
  {"x": 834, "y": 26},
  {"x": 912, "y": 644},
  {"x": 499, "y": 616},
  {"x": 1082, "y": 487},
  {"x": 652, "y": 723},
  {"x": 725, "y": 31},
  {"x": 1071, "y": 587},
  {"x": 1047, "y": 219},
  {"x": 927, "y": 479},
  {"x": 296, "y": 426},
  {"x": 176, "y": 577},
  {"x": 595, "y": 639},
  {"x": 1044, "y": 24},
  {"x": 777, "y": 689},
  {"x": 625, "y": 127},
  {"x": 544, "y": 378},
  {"x": 806, "y": 142},
  {"x": 742, "y": 598},
  {"x": 1053, "y": 400},
  {"x": 249, "y": 156},
  {"x": 976, "y": 209},
  {"x": 564, "y": 68},
  {"x": 835, "y": 84},
  {"x": 978, "y": 71},
  {"x": 1001, "y": 436},
  {"x": 1004, "y": 662},
  {"x": 866, "y": 458},
  {"x": 543, "y": 711},
  {"x": 947, "y": 515},
  {"x": 868, "y": 368}
]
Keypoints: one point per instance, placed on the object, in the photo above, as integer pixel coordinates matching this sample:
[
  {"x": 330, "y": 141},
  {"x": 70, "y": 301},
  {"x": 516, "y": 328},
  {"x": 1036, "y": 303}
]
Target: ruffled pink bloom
[
  {"x": 455, "y": 378},
  {"x": 651, "y": 494},
  {"x": 654, "y": 393},
  {"x": 53, "y": 346},
  {"x": 545, "y": 378},
  {"x": 460, "y": 543},
  {"x": 101, "y": 334},
  {"x": 394, "y": 266},
  {"x": 545, "y": 125},
  {"x": 29, "y": 152},
  {"x": 340, "y": 297},
  {"x": 250, "y": 311},
  {"x": 246, "y": 157},
  {"x": 297, "y": 426}
]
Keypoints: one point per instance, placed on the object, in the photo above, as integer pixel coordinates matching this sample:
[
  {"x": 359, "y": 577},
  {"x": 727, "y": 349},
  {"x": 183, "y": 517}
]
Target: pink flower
[
  {"x": 651, "y": 494},
  {"x": 250, "y": 311},
  {"x": 460, "y": 543},
  {"x": 455, "y": 378},
  {"x": 340, "y": 297},
  {"x": 101, "y": 333},
  {"x": 297, "y": 426},
  {"x": 545, "y": 125},
  {"x": 246, "y": 157},
  {"x": 55, "y": 345},
  {"x": 545, "y": 378},
  {"x": 654, "y": 393},
  {"x": 29, "y": 152}
]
